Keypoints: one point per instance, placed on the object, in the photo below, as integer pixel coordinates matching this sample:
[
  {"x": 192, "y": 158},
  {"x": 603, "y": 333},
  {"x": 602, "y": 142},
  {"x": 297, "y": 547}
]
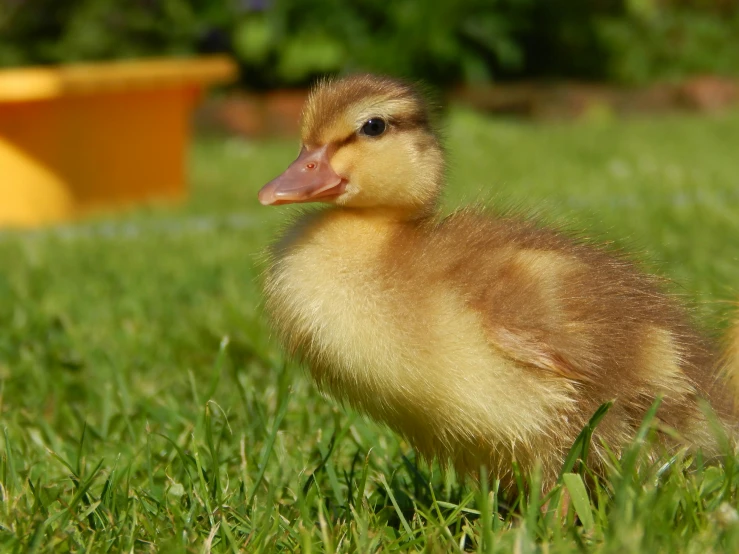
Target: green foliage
[
  {"x": 130, "y": 425},
  {"x": 561, "y": 39},
  {"x": 670, "y": 44},
  {"x": 441, "y": 42},
  {"x": 291, "y": 42},
  {"x": 50, "y": 31}
]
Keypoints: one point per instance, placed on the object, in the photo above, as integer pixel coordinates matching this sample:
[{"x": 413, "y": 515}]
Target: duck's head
[{"x": 367, "y": 142}]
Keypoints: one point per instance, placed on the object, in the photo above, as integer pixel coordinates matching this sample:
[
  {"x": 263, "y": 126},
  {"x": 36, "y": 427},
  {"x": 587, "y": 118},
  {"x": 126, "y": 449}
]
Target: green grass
[{"x": 131, "y": 423}]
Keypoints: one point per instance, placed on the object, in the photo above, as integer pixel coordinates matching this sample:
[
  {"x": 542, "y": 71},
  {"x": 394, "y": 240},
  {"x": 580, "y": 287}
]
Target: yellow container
[{"x": 82, "y": 137}]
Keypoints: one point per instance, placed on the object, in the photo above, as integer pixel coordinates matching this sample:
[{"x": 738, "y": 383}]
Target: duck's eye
[{"x": 374, "y": 127}]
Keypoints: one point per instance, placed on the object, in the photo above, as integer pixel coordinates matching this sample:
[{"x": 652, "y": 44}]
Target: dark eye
[{"x": 374, "y": 127}]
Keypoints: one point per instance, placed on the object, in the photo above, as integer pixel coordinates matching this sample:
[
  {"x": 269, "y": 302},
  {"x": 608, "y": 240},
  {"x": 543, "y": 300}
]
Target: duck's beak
[{"x": 310, "y": 178}]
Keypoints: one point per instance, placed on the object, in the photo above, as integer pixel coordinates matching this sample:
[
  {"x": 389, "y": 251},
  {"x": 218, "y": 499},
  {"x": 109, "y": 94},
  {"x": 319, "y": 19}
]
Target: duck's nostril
[{"x": 310, "y": 165}]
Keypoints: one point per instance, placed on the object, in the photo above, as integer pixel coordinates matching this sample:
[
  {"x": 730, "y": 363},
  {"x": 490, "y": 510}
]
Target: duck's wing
[
  {"x": 549, "y": 302},
  {"x": 536, "y": 311}
]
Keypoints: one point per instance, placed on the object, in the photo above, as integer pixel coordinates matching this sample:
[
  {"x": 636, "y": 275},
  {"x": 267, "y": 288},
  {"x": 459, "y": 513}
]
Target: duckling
[{"x": 482, "y": 340}]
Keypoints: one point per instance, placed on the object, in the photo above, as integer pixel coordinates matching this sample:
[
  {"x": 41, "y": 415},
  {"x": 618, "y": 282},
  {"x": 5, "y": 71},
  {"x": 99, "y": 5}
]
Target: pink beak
[{"x": 310, "y": 178}]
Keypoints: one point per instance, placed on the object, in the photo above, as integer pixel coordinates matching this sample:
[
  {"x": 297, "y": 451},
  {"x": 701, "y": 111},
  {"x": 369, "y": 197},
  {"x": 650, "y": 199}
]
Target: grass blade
[
  {"x": 580, "y": 499},
  {"x": 398, "y": 511}
]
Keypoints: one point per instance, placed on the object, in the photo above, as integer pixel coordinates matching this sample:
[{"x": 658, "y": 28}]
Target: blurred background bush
[{"x": 286, "y": 43}]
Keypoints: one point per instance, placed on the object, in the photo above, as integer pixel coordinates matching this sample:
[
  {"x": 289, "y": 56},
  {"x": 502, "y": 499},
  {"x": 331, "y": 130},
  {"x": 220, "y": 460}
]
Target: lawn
[{"x": 146, "y": 408}]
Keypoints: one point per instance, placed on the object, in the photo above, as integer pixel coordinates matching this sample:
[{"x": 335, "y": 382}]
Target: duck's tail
[{"x": 731, "y": 362}]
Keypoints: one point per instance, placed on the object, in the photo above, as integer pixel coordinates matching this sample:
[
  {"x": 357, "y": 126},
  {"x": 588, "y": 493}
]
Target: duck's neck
[
  {"x": 386, "y": 215},
  {"x": 339, "y": 232},
  {"x": 349, "y": 233}
]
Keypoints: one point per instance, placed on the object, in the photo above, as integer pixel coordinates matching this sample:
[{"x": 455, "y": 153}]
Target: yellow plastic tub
[{"x": 82, "y": 137}]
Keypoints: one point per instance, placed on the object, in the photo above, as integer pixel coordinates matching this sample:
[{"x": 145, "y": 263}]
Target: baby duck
[{"x": 481, "y": 340}]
